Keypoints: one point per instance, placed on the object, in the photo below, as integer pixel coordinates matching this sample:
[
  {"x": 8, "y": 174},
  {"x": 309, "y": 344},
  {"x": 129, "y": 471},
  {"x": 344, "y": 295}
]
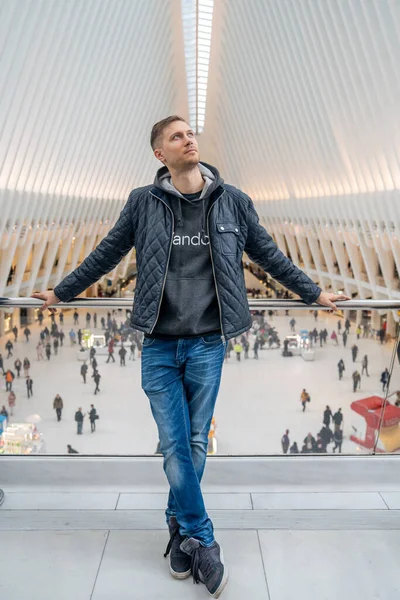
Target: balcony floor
[{"x": 108, "y": 544}]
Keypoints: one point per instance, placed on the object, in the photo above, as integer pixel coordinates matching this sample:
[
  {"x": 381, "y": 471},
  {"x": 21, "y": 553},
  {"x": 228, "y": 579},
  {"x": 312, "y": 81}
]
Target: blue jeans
[{"x": 181, "y": 378}]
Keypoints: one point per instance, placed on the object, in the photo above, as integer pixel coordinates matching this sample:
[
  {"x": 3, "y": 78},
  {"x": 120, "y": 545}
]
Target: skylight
[{"x": 197, "y": 25}]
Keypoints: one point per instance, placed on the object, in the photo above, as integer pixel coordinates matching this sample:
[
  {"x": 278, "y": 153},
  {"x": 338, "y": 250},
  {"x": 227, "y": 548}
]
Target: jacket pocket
[{"x": 228, "y": 237}]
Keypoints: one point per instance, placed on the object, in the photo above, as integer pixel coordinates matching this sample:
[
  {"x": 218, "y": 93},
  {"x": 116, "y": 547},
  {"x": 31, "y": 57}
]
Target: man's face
[{"x": 178, "y": 147}]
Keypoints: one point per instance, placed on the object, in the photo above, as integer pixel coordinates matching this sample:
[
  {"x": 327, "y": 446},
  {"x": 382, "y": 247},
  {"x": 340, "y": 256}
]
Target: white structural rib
[
  {"x": 303, "y": 114},
  {"x": 81, "y": 84}
]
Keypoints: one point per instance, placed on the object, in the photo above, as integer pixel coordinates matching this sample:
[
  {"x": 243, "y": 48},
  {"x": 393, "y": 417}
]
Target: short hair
[{"x": 159, "y": 127}]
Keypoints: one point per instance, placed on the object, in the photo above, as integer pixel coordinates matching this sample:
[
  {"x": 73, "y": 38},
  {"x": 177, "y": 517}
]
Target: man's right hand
[{"x": 49, "y": 298}]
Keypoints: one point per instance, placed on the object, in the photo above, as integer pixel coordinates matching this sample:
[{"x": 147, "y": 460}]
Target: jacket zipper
[
  {"x": 169, "y": 256},
  {"x": 212, "y": 264}
]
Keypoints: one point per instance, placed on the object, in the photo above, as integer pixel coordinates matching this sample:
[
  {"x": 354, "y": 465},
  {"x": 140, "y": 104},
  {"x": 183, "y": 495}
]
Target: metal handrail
[{"x": 253, "y": 304}]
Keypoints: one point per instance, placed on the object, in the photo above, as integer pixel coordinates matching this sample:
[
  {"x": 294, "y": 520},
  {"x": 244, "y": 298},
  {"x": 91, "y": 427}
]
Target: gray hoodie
[{"x": 189, "y": 305}]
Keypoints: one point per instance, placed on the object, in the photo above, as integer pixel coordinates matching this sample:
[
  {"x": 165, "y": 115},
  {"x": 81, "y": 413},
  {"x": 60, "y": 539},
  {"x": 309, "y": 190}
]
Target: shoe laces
[
  {"x": 200, "y": 554},
  {"x": 174, "y": 534}
]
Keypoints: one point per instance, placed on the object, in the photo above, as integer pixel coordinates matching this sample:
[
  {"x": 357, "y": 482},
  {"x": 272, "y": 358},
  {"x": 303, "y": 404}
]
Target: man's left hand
[{"x": 328, "y": 299}]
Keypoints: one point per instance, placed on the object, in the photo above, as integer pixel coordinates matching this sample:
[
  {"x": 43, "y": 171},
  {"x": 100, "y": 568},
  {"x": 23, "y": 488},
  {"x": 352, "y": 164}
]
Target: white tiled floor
[
  {"x": 353, "y": 565},
  {"x": 159, "y": 501},
  {"x": 258, "y": 400},
  {"x": 324, "y": 501}
]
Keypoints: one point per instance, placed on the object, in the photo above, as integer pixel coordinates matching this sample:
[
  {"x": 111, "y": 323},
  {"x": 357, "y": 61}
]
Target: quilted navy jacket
[{"x": 147, "y": 222}]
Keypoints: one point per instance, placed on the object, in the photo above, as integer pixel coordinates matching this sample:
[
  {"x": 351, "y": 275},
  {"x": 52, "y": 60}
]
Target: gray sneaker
[
  {"x": 207, "y": 565},
  {"x": 179, "y": 562}
]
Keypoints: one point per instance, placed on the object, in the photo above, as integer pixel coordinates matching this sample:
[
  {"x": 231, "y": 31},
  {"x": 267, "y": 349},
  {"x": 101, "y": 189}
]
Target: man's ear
[{"x": 159, "y": 154}]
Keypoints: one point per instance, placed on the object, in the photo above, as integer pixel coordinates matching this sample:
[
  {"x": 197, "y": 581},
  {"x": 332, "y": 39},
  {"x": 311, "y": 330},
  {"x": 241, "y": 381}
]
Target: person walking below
[
  {"x": 292, "y": 324},
  {"x": 72, "y": 337},
  {"x": 304, "y": 398},
  {"x": 95, "y": 320},
  {"x": 111, "y": 350},
  {"x": 9, "y": 348},
  {"x": 285, "y": 442},
  {"x": 385, "y": 379},
  {"x": 79, "y": 416},
  {"x": 132, "y": 348},
  {"x": 358, "y": 331},
  {"x": 29, "y": 384},
  {"x": 84, "y": 370},
  {"x": 18, "y": 367},
  {"x": 88, "y": 318},
  {"x": 338, "y": 419},
  {"x": 58, "y": 405},
  {"x": 2, "y": 364},
  {"x": 9, "y": 380},
  {"x": 92, "y": 418},
  {"x": 339, "y": 326},
  {"x": 256, "y": 347},
  {"x": 39, "y": 350},
  {"x": 341, "y": 368},
  {"x": 27, "y": 333},
  {"x": 55, "y": 346},
  {"x": 96, "y": 376},
  {"x": 122, "y": 354},
  {"x": 356, "y": 380},
  {"x": 347, "y": 326},
  {"x": 48, "y": 350},
  {"x": 15, "y": 332},
  {"x": 11, "y": 402},
  {"x": 76, "y": 318},
  {"x": 334, "y": 337},
  {"x": 61, "y": 317},
  {"x": 338, "y": 439},
  {"x": 365, "y": 365},
  {"x": 62, "y": 336},
  {"x": 237, "y": 348},
  {"x": 202, "y": 227},
  {"x": 27, "y": 366},
  {"x": 354, "y": 352},
  {"x": 344, "y": 337},
  {"x": 327, "y": 416}
]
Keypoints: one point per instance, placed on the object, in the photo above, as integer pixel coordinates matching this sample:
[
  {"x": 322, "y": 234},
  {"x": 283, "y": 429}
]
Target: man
[
  {"x": 365, "y": 365},
  {"x": 9, "y": 380},
  {"x": 190, "y": 298},
  {"x": 29, "y": 384},
  {"x": 84, "y": 370},
  {"x": 96, "y": 376},
  {"x": 354, "y": 352},
  {"x": 79, "y": 416},
  {"x": 285, "y": 442},
  {"x": 327, "y": 416},
  {"x": 338, "y": 419},
  {"x": 58, "y": 405},
  {"x": 92, "y": 418},
  {"x": 385, "y": 376},
  {"x": 9, "y": 347},
  {"x": 122, "y": 354},
  {"x": 341, "y": 368}
]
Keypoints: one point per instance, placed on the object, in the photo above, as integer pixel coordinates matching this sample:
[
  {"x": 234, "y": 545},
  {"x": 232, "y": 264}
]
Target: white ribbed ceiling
[
  {"x": 304, "y": 96},
  {"x": 81, "y": 84}
]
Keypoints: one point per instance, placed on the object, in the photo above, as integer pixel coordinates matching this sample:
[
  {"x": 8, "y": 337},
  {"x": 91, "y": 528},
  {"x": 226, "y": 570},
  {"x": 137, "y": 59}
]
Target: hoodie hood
[{"x": 212, "y": 180}]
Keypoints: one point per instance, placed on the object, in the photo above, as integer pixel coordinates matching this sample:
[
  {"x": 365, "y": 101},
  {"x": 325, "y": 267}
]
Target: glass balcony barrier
[{"x": 301, "y": 381}]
